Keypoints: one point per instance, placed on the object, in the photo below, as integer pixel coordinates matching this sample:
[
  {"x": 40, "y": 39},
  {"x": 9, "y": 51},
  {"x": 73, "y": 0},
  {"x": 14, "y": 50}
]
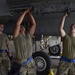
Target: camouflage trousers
[
  {"x": 66, "y": 68},
  {"x": 4, "y": 64},
  {"x": 27, "y": 69}
]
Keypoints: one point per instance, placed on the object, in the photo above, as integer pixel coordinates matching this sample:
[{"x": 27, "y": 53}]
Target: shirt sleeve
[{"x": 65, "y": 37}]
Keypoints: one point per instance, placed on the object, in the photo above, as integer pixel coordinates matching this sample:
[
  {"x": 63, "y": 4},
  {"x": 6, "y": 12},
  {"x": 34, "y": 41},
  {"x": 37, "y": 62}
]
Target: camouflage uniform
[
  {"x": 67, "y": 68},
  {"x": 23, "y": 46},
  {"x": 4, "y": 60}
]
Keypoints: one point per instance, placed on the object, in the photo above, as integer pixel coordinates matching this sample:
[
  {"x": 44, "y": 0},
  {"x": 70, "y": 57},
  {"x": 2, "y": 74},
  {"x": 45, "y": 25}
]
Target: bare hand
[
  {"x": 30, "y": 8},
  {"x": 27, "y": 10},
  {"x": 65, "y": 14}
]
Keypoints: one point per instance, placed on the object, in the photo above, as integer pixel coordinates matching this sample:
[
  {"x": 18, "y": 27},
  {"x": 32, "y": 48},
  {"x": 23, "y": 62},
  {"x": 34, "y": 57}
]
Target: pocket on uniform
[
  {"x": 5, "y": 56},
  {"x": 31, "y": 64},
  {"x": 63, "y": 65}
]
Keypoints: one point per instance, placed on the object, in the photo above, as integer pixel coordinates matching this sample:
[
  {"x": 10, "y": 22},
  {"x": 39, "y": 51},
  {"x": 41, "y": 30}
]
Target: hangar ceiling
[
  {"x": 42, "y": 6},
  {"x": 47, "y": 14}
]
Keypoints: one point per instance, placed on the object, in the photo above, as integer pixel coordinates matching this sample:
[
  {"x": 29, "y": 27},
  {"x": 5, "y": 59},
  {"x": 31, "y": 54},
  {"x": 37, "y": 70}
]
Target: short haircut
[{"x": 71, "y": 25}]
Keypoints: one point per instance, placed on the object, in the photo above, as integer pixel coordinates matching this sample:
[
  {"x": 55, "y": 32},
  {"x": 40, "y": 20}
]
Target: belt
[
  {"x": 3, "y": 50},
  {"x": 67, "y": 60},
  {"x": 27, "y": 61}
]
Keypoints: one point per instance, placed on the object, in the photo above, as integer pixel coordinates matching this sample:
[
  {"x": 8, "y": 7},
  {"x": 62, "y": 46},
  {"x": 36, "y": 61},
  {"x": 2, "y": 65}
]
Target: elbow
[
  {"x": 34, "y": 24},
  {"x": 60, "y": 29}
]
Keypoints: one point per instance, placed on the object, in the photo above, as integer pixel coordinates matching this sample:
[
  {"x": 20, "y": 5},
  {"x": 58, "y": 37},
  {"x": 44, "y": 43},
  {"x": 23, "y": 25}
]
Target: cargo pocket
[
  {"x": 64, "y": 67},
  {"x": 31, "y": 64}
]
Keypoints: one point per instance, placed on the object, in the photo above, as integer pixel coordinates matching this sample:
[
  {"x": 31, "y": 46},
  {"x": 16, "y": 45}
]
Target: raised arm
[
  {"x": 61, "y": 26},
  {"x": 33, "y": 23},
  {"x": 18, "y": 23}
]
